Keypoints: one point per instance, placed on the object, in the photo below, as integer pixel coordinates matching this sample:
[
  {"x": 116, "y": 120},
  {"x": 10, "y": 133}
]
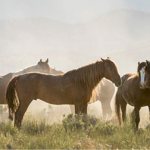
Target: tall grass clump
[{"x": 34, "y": 127}]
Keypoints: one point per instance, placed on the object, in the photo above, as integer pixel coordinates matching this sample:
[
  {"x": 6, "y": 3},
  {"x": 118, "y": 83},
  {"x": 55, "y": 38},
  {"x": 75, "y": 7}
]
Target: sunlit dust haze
[{"x": 73, "y": 33}]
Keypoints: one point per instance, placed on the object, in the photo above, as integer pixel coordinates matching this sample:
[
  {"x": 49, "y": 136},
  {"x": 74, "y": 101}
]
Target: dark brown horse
[
  {"x": 74, "y": 87},
  {"x": 41, "y": 66},
  {"x": 135, "y": 91}
]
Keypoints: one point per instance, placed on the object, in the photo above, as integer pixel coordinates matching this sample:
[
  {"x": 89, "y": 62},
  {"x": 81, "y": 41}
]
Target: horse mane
[{"x": 88, "y": 76}]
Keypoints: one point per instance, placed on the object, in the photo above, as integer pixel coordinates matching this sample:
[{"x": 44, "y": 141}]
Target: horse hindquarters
[
  {"x": 24, "y": 103},
  {"x": 12, "y": 97}
]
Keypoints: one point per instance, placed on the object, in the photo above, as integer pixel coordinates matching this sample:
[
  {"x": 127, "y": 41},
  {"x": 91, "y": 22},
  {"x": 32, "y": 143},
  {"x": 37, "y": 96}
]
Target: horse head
[
  {"x": 141, "y": 72},
  {"x": 44, "y": 66},
  {"x": 147, "y": 75},
  {"x": 144, "y": 74},
  {"x": 111, "y": 72}
]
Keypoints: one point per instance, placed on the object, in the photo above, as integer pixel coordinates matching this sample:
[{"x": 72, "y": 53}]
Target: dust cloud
[{"x": 122, "y": 35}]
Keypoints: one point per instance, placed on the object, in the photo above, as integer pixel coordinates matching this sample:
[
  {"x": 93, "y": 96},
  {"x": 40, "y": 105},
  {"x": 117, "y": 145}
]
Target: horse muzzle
[{"x": 144, "y": 87}]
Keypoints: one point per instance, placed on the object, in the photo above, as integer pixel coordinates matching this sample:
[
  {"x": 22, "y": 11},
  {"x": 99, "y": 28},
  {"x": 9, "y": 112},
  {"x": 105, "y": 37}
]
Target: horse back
[
  {"x": 125, "y": 77},
  {"x": 27, "y": 85}
]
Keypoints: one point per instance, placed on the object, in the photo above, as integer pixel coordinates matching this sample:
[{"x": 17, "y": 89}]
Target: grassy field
[{"x": 75, "y": 132}]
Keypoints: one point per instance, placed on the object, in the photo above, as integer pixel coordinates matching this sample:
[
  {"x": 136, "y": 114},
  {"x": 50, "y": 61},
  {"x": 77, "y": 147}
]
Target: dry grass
[{"x": 75, "y": 132}]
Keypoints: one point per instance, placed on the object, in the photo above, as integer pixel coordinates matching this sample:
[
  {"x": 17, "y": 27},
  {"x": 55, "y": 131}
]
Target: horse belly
[
  {"x": 57, "y": 97},
  {"x": 128, "y": 98},
  {"x": 144, "y": 101}
]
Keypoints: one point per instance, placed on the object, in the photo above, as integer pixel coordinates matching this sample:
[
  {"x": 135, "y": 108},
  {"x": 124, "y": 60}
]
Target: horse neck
[
  {"x": 91, "y": 75},
  {"x": 98, "y": 74}
]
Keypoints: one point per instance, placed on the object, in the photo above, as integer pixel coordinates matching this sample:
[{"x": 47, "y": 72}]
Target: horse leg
[
  {"x": 77, "y": 109},
  {"x": 123, "y": 109},
  {"x": 149, "y": 111},
  {"x": 81, "y": 108},
  {"x": 106, "y": 108},
  {"x": 20, "y": 113},
  {"x": 84, "y": 108},
  {"x": 72, "y": 109},
  {"x": 136, "y": 117},
  {"x": 120, "y": 104}
]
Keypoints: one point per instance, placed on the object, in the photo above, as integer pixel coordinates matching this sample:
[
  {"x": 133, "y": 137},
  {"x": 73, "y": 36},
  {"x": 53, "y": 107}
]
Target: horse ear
[
  {"x": 46, "y": 61},
  {"x": 139, "y": 63},
  {"x": 102, "y": 59},
  {"x": 147, "y": 62},
  {"x": 40, "y": 60}
]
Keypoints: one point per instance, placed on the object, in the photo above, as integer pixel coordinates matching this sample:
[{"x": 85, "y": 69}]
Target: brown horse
[
  {"x": 104, "y": 93},
  {"x": 135, "y": 90},
  {"x": 42, "y": 66},
  {"x": 74, "y": 87}
]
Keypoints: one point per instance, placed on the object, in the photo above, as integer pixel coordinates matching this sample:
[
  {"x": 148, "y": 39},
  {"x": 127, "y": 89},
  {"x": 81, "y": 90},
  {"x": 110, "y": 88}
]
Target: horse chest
[
  {"x": 136, "y": 97},
  {"x": 129, "y": 96},
  {"x": 144, "y": 99}
]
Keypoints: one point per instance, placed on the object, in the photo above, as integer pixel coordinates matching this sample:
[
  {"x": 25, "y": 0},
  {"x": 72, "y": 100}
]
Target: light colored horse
[{"x": 74, "y": 87}]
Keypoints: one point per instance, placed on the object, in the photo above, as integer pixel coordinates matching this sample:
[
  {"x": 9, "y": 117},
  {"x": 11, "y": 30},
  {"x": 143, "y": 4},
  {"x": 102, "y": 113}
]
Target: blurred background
[{"x": 73, "y": 33}]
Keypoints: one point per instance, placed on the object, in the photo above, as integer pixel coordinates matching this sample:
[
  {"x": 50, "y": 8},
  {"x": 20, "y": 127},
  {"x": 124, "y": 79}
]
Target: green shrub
[{"x": 79, "y": 122}]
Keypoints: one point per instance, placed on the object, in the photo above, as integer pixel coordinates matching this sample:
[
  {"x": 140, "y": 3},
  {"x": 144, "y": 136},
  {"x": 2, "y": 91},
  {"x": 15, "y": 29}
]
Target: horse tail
[
  {"x": 117, "y": 106},
  {"x": 12, "y": 97}
]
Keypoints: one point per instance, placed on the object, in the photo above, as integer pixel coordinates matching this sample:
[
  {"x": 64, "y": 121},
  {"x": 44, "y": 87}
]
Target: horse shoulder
[{"x": 130, "y": 89}]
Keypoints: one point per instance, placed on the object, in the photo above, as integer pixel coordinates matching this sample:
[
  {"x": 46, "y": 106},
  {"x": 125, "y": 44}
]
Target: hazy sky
[
  {"x": 63, "y": 43},
  {"x": 70, "y": 11}
]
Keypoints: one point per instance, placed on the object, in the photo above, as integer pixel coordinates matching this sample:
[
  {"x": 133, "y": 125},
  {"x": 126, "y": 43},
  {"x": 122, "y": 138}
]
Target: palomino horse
[
  {"x": 74, "y": 87},
  {"x": 135, "y": 90},
  {"x": 104, "y": 93},
  {"x": 42, "y": 66}
]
